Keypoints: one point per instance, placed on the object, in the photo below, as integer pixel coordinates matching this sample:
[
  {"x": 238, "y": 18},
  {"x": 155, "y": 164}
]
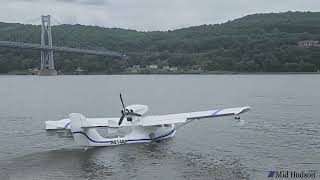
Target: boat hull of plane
[
  {"x": 91, "y": 137},
  {"x": 141, "y": 137}
]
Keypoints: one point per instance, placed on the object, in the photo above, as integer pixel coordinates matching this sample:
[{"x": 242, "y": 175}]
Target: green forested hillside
[{"x": 254, "y": 43}]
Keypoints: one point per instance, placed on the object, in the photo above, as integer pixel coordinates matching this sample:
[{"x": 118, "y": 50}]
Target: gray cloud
[{"x": 146, "y": 14}]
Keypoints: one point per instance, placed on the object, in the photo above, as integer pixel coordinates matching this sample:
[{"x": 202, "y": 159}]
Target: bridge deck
[{"x": 57, "y": 48}]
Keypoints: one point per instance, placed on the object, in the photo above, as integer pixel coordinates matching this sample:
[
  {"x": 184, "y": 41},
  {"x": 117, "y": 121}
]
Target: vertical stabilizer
[
  {"x": 84, "y": 136},
  {"x": 79, "y": 135}
]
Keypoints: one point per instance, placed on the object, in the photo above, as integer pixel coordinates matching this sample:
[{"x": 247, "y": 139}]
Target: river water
[{"x": 282, "y": 132}]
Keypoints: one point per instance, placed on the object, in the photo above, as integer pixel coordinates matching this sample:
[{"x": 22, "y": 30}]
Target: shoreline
[{"x": 187, "y": 73}]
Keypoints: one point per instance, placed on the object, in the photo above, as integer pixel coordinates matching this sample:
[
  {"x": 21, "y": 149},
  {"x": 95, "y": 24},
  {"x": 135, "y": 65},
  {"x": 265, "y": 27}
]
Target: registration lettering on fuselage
[{"x": 119, "y": 141}]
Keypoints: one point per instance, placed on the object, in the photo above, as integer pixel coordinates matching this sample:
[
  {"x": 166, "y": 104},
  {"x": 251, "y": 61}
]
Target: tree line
[{"x": 254, "y": 43}]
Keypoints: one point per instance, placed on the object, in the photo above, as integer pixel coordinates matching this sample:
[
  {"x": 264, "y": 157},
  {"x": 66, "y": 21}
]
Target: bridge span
[
  {"x": 58, "y": 48},
  {"x": 47, "y": 49}
]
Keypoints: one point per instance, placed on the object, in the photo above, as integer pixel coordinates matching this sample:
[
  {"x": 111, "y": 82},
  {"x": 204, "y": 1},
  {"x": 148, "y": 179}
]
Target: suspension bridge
[{"x": 47, "y": 48}]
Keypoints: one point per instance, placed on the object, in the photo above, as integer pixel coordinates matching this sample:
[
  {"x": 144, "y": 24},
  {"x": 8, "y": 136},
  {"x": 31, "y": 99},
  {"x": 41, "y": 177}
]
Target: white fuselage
[{"x": 138, "y": 134}]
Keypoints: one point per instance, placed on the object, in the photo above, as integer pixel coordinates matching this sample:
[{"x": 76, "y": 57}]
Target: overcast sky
[{"x": 146, "y": 15}]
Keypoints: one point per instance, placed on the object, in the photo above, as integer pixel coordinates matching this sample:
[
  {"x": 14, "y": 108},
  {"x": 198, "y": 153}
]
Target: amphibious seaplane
[{"x": 143, "y": 128}]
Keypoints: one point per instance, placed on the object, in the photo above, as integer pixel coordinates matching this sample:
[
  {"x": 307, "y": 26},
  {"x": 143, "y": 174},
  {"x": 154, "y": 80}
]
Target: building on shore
[
  {"x": 309, "y": 43},
  {"x": 135, "y": 69},
  {"x": 152, "y": 67},
  {"x": 34, "y": 71},
  {"x": 166, "y": 68},
  {"x": 197, "y": 68},
  {"x": 79, "y": 70},
  {"x": 173, "y": 69}
]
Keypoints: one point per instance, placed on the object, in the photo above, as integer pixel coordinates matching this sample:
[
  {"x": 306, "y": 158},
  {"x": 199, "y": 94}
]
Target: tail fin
[
  {"x": 83, "y": 136},
  {"x": 79, "y": 135}
]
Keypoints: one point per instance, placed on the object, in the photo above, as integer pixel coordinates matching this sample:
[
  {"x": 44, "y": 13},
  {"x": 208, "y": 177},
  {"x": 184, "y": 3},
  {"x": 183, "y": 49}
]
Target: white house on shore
[
  {"x": 152, "y": 66},
  {"x": 166, "y": 68},
  {"x": 173, "y": 68},
  {"x": 309, "y": 43}
]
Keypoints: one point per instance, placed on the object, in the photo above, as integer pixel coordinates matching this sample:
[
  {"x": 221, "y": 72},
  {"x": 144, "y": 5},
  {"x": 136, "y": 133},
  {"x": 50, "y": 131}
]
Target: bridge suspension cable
[
  {"x": 16, "y": 27},
  {"x": 77, "y": 38}
]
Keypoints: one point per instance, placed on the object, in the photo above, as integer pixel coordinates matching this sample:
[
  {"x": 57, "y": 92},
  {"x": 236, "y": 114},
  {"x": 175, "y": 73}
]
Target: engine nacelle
[{"x": 138, "y": 108}]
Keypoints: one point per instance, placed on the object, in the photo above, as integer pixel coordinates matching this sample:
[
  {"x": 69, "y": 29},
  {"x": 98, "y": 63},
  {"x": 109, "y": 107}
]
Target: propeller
[
  {"x": 125, "y": 112},
  {"x": 122, "y": 101}
]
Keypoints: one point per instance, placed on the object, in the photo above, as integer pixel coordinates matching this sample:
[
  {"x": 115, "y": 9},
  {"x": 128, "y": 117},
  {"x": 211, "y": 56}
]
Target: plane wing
[
  {"x": 183, "y": 117},
  {"x": 149, "y": 120}
]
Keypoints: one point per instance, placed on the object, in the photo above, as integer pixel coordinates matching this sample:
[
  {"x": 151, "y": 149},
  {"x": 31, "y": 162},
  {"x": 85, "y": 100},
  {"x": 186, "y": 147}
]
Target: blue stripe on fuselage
[{"x": 146, "y": 139}]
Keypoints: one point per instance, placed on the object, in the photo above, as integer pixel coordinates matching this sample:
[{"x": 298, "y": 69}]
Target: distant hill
[{"x": 254, "y": 43}]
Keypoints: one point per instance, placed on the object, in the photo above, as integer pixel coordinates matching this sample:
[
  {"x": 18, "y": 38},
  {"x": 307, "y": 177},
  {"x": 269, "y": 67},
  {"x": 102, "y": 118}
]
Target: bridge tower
[{"x": 47, "y": 63}]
